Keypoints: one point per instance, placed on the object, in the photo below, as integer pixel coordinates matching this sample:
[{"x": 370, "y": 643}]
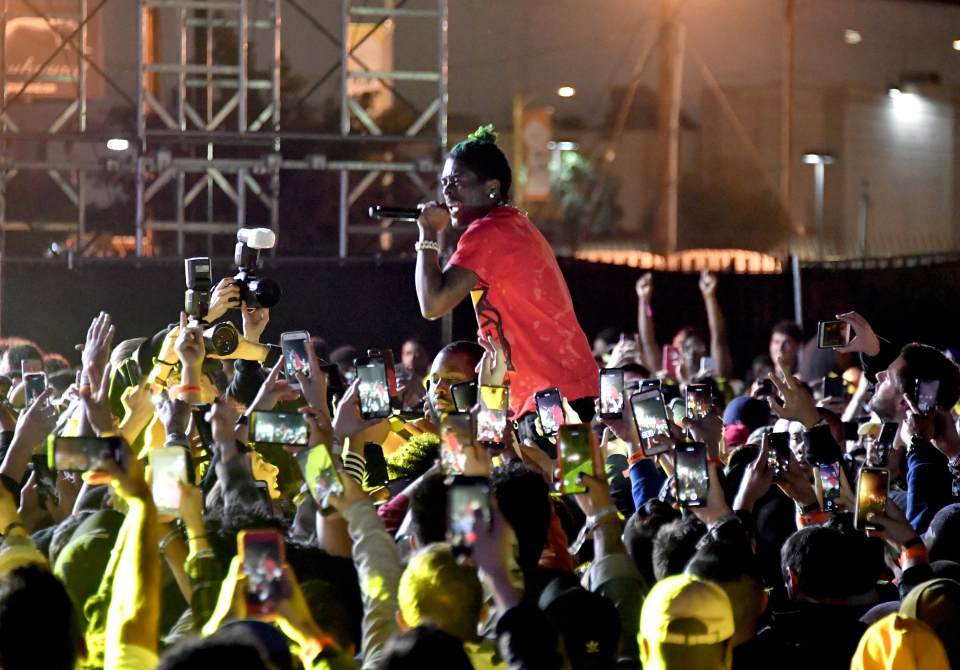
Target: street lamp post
[{"x": 819, "y": 162}]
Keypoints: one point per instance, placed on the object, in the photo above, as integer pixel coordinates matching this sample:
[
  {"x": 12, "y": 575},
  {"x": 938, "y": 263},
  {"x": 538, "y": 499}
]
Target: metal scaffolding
[{"x": 208, "y": 143}]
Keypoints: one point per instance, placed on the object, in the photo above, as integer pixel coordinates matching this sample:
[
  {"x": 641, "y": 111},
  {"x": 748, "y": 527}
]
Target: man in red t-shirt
[{"x": 508, "y": 268}]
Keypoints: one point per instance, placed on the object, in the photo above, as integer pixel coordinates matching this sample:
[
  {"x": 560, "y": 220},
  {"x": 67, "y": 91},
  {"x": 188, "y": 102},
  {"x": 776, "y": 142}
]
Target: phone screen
[
  {"x": 693, "y": 479},
  {"x": 374, "y": 388},
  {"x": 550, "y": 411},
  {"x": 575, "y": 450},
  {"x": 387, "y": 356},
  {"x": 34, "y": 384},
  {"x": 830, "y": 485},
  {"x": 698, "y": 401},
  {"x": 872, "y": 487},
  {"x": 167, "y": 465},
  {"x": 833, "y": 387},
  {"x": 279, "y": 428},
  {"x": 456, "y": 433},
  {"x": 885, "y": 442},
  {"x": 651, "y": 419},
  {"x": 79, "y": 454},
  {"x": 204, "y": 430},
  {"x": 464, "y": 395},
  {"x": 320, "y": 474},
  {"x": 671, "y": 359},
  {"x": 263, "y": 566},
  {"x": 611, "y": 392},
  {"x": 295, "y": 357},
  {"x": 779, "y": 456},
  {"x": 492, "y": 418},
  {"x": 927, "y": 391},
  {"x": 833, "y": 334},
  {"x": 465, "y": 496}
]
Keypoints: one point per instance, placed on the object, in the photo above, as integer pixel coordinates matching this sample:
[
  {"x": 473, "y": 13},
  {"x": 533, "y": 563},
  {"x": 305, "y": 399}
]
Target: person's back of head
[
  {"x": 735, "y": 568},
  {"x": 811, "y": 569},
  {"x": 428, "y": 510},
  {"x": 897, "y": 642},
  {"x": 686, "y": 624},
  {"x": 640, "y": 531},
  {"x": 424, "y": 647},
  {"x": 943, "y": 535},
  {"x": 11, "y": 362},
  {"x": 928, "y": 363},
  {"x": 219, "y": 651},
  {"x": 674, "y": 544},
  {"x": 37, "y": 620},
  {"x": 588, "y": 622},
  {"x": 330, "y": 614},
  {"x": 436, "y": 589},
  {"x": 524, "y": 499}
]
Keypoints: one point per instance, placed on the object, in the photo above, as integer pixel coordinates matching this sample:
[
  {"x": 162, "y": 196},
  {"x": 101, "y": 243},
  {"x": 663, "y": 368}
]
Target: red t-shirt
[{"x": 522, "y": 299}]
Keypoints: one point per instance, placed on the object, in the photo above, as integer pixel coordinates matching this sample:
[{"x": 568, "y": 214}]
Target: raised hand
[
  {"x": 708, "y": 283},
  {"x": 314, "y": 385},
  {"x": 273, "y": 390},
  {"x": 189, "y": 343},
  {"x": 96, "y": 403},
  {"x": 917, "y": 422},
  {"x": 757, "y": 479},
  {"x": 645, "y": 287},
  {"x": 96, "y": 350},
  {"x": 865, "y": 340},
  {"x": 225, "y": 296},
  {"x": 798, "y": 404},
  {"x": 492, "y": 368},
  {"x": 175, "y": 416},
  {"x": 433, "y": 218},
  {"x": 255, "y": 319},
  {"x": 348, "y": 421}
]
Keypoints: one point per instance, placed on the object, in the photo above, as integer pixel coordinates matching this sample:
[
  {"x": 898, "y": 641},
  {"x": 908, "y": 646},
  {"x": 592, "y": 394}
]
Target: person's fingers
[
  {"x": 105, "y": 381},
  {"x": 779, "y": 383},
  {"x": 911, "y": 404},
  {"x": 788, "y": 379},
  {"x": 183, "y": 320},
  {"x": 486, "y": 343},
  {"x": 274, "y": 373}
]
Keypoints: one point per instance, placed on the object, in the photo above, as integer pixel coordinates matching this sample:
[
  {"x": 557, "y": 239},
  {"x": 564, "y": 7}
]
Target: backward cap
[{"x": 686, "y": 597}]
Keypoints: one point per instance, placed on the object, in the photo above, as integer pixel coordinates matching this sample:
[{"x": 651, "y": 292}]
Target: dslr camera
[
  {"x": 221, "y": 339},
  {"x": 256, "y": 291}
]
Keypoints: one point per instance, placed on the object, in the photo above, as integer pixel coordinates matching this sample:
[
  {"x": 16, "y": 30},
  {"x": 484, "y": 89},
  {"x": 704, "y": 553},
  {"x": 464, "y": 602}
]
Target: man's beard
[{"x": 885, "y": 408}]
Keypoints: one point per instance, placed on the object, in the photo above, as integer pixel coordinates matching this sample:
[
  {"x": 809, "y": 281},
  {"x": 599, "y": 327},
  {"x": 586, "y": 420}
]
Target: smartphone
[
  {"x": 873, "y": 484},
  {"x": 492, "y": 421},
  {"x": 693, "y": 479},
  {"x": 29, "y": 365},
  {"x": 262, "y": 557},
  {"x": 375, "y": 474},
  {"x": 698, "y": 401},
  {"x": 829, "y": 475},
  {"x": 204, "y": 430},
  {"x": 834, "y": 387},
  {"x": 387, "y": 356},
  {"x": 550, "y": 411},
  {"x": 80, "y": 454},
  {"x": 46, "y": 480},
  {"x": 885, "y": 442},
  {"x": 650, "y": 384},
  {"x": 295, "y": 358},
  {"x": 779, "y": 456},
  {"x": 651, "y": 418},
  {"x": 167, "y": 465},
  {"x": 464, "y": 395},
  {"x": 575, "y": 456},
  {"x": 927, "y": 391},
  {"x": 34, "y": 384},
  {"x": 374, "y": 388},
  {"x": 765, "y": 386},
  {"x": 611, "y": 393},
  {"x": 456, "y": 433},
  {"x": 289, "y": 428},
  {"x": 321, "y": 476},
  {"x": 671, "y": 360},
  {"x": 465, "y": 497},
  {"x": 833, "y": 334}
]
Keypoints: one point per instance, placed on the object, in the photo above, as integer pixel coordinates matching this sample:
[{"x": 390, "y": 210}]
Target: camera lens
[
  {"x": 264, "y": 291},
  {"x": 221, "y": 339}
]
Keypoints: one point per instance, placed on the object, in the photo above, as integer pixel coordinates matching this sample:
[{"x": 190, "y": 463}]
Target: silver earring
[{"x": 493, "y": 195}]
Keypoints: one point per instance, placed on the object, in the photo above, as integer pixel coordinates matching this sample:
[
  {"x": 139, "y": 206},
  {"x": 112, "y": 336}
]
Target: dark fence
[{"x": 370, "y": 304}]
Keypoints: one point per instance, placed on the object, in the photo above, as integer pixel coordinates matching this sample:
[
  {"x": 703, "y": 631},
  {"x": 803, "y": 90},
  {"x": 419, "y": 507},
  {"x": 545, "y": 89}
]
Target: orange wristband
[
  {"x": 634, "y": 457},
  {"x": 913, "y": 552},
  {"x": 189, "y": 388}
]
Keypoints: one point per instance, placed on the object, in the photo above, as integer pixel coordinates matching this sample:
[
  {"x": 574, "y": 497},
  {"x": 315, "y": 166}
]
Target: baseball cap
[
  {"x": 686, "y": 597},
  {"x": 588, "y": 622},
  {"x": 899, "y": 643}
]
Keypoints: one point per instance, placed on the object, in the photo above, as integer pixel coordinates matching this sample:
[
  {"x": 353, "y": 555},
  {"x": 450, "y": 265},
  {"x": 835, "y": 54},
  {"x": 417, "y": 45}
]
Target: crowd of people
[{"x": 383, "y": 561}]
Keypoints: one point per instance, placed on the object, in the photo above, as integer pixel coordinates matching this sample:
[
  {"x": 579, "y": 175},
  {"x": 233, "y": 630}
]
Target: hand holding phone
[
  {"x": 466, "y": 497},
  {"x": 611, "y": 393},
  {"x": 833, "y": 334},
  {"x": 873, "y": 485},
  {"x": 492, "y": 414},
  {"x": 295, "y": 358},
  {"x": 652, "y": 424},
  {"x": 699, "y": 402},
  {"x": 576, "y": 456},
  {"x": 321, "y": 476},
  {"x": 168, "y": 467},
  {"x": 262, "y": 556},
  {"x": 693, "y": 477},
  {"x": 550, "y": 411},
  {"x": 374, "y": 388}
]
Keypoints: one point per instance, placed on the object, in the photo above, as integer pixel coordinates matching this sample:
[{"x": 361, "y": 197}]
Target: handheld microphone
[{"x": 397, "y": 213}]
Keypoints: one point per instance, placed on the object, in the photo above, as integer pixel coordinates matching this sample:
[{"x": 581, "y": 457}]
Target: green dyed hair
[
  {"x": 481, "y": 155},
  {"x": 415, "y": 457}
]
